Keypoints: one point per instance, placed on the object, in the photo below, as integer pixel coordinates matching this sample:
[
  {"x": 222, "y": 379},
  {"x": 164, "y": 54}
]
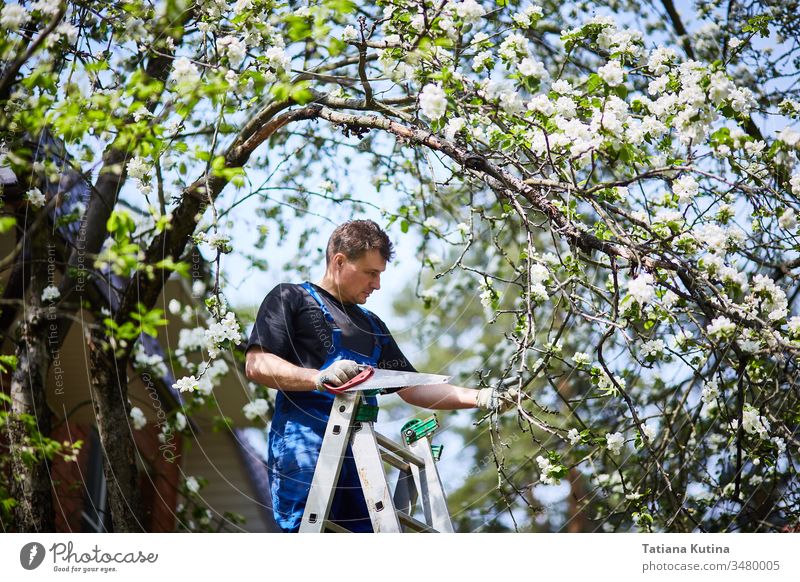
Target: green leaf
[
  {"x": 8, "y": 363},
  {"x": 299, "y": 27},
  {"x": 341, "y": 6},
  {"x": 301, "y": 93},
  {"x": 120, "y": 224},
  {"x": 593, "y": 82},
  {"x": 7, "y": 223}
]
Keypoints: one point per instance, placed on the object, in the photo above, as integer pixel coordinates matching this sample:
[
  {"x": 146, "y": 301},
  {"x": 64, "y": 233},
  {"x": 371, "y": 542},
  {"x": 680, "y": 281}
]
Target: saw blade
[{"x": 382, "y": 379}]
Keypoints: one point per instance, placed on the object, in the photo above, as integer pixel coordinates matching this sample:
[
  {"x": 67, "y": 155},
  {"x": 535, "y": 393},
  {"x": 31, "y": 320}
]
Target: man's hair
[{"x": 356, "y": 237}]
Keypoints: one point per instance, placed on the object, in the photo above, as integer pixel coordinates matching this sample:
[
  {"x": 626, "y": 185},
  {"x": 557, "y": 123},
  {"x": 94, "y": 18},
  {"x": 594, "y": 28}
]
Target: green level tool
[{"x": 417, "y": 429}]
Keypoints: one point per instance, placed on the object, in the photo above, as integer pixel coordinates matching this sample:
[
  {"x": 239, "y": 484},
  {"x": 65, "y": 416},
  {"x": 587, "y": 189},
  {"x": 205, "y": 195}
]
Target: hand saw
[{"x": 377, "y": 379}]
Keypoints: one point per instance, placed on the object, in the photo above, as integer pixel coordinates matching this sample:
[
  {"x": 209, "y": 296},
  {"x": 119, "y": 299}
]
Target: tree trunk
[
  {"x": 30, "y": 484},
  {"x": 109, "y": 385}
]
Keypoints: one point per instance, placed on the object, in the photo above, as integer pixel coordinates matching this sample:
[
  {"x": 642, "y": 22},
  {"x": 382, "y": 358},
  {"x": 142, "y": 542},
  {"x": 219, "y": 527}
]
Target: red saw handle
[{"x": 362, "y": 376}]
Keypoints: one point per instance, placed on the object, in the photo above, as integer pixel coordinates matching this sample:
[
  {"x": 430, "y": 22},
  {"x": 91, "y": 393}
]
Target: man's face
[{"x": 356, "y": 280}]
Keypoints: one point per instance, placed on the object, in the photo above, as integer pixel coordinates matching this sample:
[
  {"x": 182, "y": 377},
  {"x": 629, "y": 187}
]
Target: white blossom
[
  {"x": 542, "y": 104},
  {"x": 35, "y": 197},
  {"x": 788, "y": 219},
  {"x": 514, "y": 46},
  {"x": 659, "y": 60},
  {"x": 349, "y": 33},
  {"x": 469, "y": 11},
  {"x": 186, "y": 384},
  {"x": 713, "y": 236},
  {"x": 138, "y": 169},
  {"x": 210, "y": 373},
  {"x": 563, "y": 87},
  {"x": 721, "y": 327},
  {"x": 191, "y": 339},
  {"x": 528, "y": 17},
  {"x": 50, "y": 293},
  {"x": 137, "y": 418},
  {"x": 143, "y": 360},
  {"x": 789, "y": 136},
  {"x": 487, "y": 293},
  {"x": 192, "y": 485},
  {"x": 574, "y": 436},
  {"x": 539, "y": 293},
  {"x": 49, "y": 7},
  {"x": 13, "y": 16},
  {"x": 454, "y": 126},
  {"x": 533, "y": 68},
  {"x": 614, "y": 442},
  {"x": 241, "y": 6},
  {"x": 433, "y": 101},
  {"x": 753, "y": 423},
  {"x": 546, "y": 468},
  {"x": 653, "y": 348},
  {"x": 68, "y": 31},
  {"x": 685, "y": 188},
  {"x": 417, "y": 22},
  {"x": 278, "y": 59},
  {"x": 794, "y": 326},
  {"x": 581, "y": 358},
  {"x": 773, "y": 298},
  {"x": 256, "y": 408},
  {"x": 710, "y": 392},
  {"x": 641, "y": 288},
  {"x": 567, "y": 108},
  {"x": 794, "y": 183},
  {"x": 612, "y": 73},
  {"x": 480, "y": 61},
  {"x": 233, "y": 48},
  {"x": 185, "y": 72},
  {"x": 606, "y": 385},
  {"x": 539, "y": 273},
  {"x": 180, "y": 421},
  {"x": 220, "y": 331}
]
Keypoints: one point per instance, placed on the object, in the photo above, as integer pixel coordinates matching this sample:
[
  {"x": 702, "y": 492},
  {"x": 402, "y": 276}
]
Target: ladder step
[
  {"x": 404, "y": 518},
  {"x": 329, "y": 525},
  {"x": 399, "y": 450},
  {"x": 414, "y": 524},
  {"x": 395, "y": 461}
]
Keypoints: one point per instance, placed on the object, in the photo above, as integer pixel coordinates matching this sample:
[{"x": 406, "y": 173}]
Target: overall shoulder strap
[
  {"x": 315, "y": 296},
  {"x": 380, "y": 336}
]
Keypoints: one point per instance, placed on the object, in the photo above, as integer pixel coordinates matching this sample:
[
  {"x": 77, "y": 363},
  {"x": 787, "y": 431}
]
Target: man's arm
[
  {"x": 275, "y": 372},
  {"x": 440, "y": 396}
]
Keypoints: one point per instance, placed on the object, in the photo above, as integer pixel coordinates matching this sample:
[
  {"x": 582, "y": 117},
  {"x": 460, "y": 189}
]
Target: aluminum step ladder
[{"x": 351, "y": 421}]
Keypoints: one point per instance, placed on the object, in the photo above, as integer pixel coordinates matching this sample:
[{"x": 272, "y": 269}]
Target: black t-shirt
[{"x": 291, "y": 325}]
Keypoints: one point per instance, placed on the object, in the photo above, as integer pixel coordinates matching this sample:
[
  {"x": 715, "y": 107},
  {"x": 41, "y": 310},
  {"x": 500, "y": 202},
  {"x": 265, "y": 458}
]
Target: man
[{"x": 310, "y": 335}]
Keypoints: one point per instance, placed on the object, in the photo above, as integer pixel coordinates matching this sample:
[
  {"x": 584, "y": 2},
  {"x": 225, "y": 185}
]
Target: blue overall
[{"x": 295, "y": 439}]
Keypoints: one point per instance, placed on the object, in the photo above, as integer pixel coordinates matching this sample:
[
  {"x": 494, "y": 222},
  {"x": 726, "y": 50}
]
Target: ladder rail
[
  {"x": 329, "y": 465},
  {"x": 369, "y": 464}
]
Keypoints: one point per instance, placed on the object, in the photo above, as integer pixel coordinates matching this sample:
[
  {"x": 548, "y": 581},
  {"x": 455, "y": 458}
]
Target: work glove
[
  {"x": 493, "y": 400},
  {"x": 336, "y": 374}
]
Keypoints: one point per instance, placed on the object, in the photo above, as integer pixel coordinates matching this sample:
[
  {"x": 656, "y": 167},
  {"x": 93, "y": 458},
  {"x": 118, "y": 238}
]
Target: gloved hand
[
  {"x": 492, "y": 400},
  {"x": 336, "y": 374}
]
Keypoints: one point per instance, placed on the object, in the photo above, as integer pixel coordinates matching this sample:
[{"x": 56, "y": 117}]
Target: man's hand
[
  {"x": 336, "y": 374},
  {"x": 492, "y": 400}
]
